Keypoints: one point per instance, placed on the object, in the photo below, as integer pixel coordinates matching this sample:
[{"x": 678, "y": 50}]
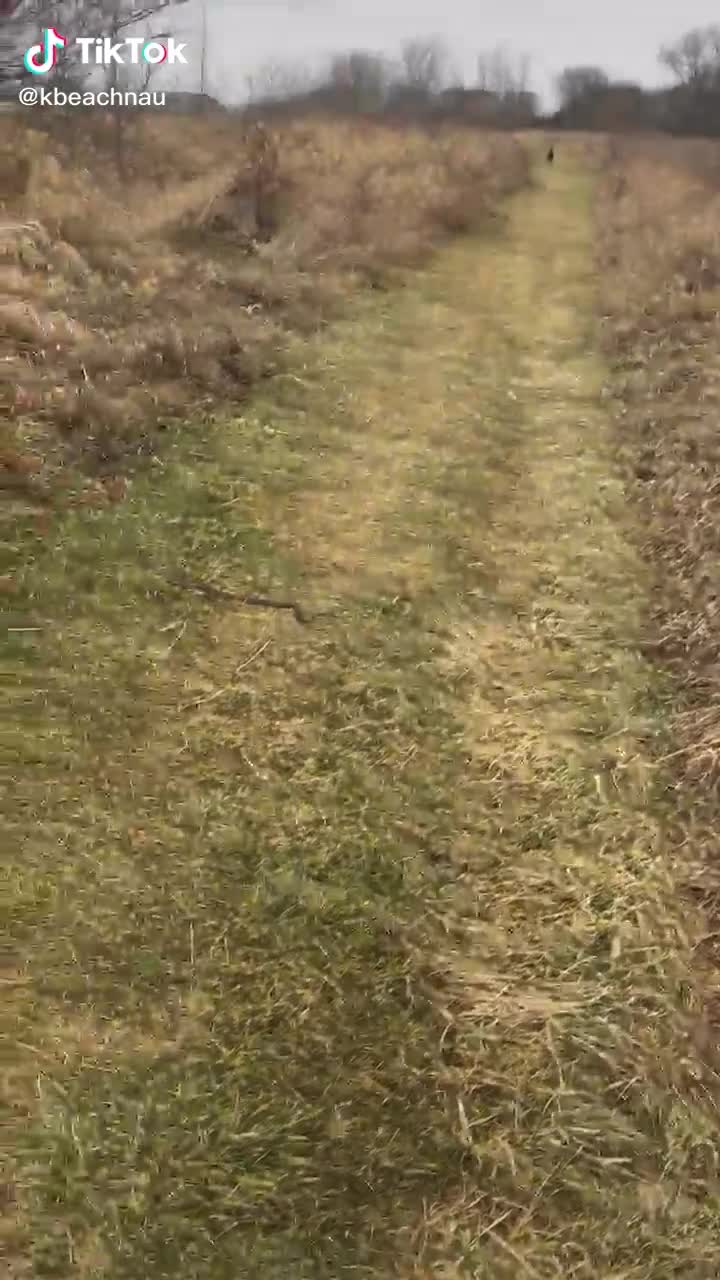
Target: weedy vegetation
[
  {"x": 126, "y": 304},
  {"x": 660, "y": 253},
  {"x": 351, "y": 943}
]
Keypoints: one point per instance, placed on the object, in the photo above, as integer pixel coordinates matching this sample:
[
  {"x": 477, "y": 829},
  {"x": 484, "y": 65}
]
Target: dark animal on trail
[{"x": 551, "y": 155}]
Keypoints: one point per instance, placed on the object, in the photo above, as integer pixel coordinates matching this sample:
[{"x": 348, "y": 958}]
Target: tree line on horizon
[{"x": 420, "y": 85}]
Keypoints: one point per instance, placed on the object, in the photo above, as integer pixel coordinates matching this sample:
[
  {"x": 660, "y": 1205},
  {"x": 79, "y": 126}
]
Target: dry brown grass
[
  {"x": 660, "y": 214},
  {"x": 124, "y": 307},
  {"x": 354, "y": 949}
]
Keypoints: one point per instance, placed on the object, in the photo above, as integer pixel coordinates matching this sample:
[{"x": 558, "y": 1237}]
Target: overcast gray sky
[{"x": 621, "y": 35}]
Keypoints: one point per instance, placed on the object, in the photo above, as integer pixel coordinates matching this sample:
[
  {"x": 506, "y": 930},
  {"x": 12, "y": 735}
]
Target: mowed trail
[{"x": 353, "y": 949}]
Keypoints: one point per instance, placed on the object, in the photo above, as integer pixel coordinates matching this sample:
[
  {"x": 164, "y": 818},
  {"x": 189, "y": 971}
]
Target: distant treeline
[
  {"x": 690, "y": 105},
  {"x": 419, "y": 85},
  {"x": 419, "y": 88}
]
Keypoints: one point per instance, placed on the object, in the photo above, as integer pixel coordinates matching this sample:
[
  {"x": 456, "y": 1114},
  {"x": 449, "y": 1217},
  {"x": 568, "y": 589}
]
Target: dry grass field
[
  {"x": 127, "y": 304},
  {"x": 660, "y": 257},
  {"x": 353, "y": 939}
]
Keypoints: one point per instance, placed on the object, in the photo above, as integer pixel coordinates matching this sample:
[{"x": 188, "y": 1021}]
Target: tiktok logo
[{"x": 41, "y": 58}]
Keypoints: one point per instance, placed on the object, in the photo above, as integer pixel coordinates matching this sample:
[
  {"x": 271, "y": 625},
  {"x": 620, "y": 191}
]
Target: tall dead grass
[
  {"x": 660, "y": 256},
  {"x": 125, "y": 305}
]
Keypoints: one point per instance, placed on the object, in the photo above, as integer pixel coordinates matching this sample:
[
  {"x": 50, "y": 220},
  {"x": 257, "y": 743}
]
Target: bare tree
[
  {"x": 505, "y": 77},
  {"x": 583, "y": 94},
  {"x": 22, "y": 20},
  {"x": 278, "y": 82},
  {"x": 694, "y": 59},
  {"x": 91, "y": 20},
  {"x": 425, "y": 65},
  {"x": 203, "y": 48},
  {"x": 576, "y": 85},
  {"x": 135, "y": 77},
  {"x": 503, "y": 73},
  {"x": 17, "y": 21},
  {"x": 361, "y": 80}
]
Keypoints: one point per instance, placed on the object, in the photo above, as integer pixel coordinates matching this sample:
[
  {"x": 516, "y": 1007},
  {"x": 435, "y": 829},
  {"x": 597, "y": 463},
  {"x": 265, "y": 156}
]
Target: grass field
[
  {"x": 354, "y": 946},
  {"x": 127, "y": 306}
]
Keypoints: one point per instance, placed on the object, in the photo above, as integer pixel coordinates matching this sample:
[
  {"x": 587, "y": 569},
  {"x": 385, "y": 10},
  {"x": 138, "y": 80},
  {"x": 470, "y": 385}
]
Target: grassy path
[{"x": 350, "y": 949}]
